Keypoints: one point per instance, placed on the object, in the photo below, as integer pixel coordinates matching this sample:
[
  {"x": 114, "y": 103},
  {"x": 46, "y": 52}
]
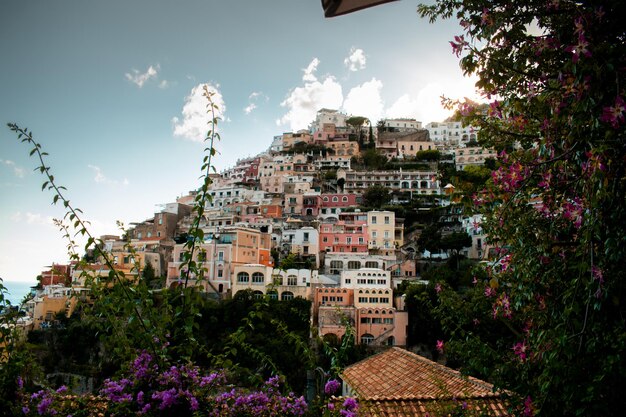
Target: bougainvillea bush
[
  {"x": 549, "y": 323},
  {"x": 148, "y": 389}
]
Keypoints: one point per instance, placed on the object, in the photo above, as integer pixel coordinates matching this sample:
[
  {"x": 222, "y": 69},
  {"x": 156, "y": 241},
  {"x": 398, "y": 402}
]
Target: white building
[
  {"x": 402, "y": 125},
  {"x": 325, "y": 116},
  {"x": 451, "y": 133}
]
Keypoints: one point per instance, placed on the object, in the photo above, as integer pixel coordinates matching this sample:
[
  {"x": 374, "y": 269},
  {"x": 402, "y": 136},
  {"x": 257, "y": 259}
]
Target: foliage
[
  {"x": 551, "y": 322},
  {"x": 182, "y": 390},
  {"x": 428, "y": 155},
  {"x": 376, "y": 196},
  {"x": 370, "y": 159},
  {"x": 128, "y": 314}
]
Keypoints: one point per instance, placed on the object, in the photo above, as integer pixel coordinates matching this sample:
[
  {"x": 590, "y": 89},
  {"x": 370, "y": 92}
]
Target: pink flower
[
  {"x": 519, "y": 349},
  {"x": 438, "y": 288},
  {"x": 458, "y": 44},
  {"x": 528, "y": 407},
  {"x": 440, "y": 346},
  {"x": 614, "y": 115},
  {"x": 597, "y": 274},
  {"x": 489, "y": 292}
]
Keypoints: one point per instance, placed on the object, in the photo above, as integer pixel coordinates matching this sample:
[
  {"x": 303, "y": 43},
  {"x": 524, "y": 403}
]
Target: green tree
[
  {"x": 549, "y": 324},
  {"x": 376, "y": 196}
]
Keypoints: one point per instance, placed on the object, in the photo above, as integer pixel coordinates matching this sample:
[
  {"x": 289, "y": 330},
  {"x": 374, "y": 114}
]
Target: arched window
[
  {"x": 354, "y": 264},
  {"x": 292, "y": 280},
  {"x": 287, "y": 295},
  {"x": 273, "y": 295},
  {"x": 258, "y": 294},
  {"x": 258, "y": 278},
  {"x": 243, "y": 277},
  {"x": 367, "y": 339},
  {"x": 371, "y": 264}
]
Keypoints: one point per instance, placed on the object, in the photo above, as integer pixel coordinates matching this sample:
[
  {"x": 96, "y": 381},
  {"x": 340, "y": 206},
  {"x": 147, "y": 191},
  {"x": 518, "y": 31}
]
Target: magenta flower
[
  {"x": 438, "y": 288},
  {"x": 520, "y": 349},
  {"x": 458, "y": 44},
  {"x": 440, "y": 346},
  {"x": 614, "y": 115},
  {"x": 331, "y": 387},
  {"x": 528, "y": 407}
]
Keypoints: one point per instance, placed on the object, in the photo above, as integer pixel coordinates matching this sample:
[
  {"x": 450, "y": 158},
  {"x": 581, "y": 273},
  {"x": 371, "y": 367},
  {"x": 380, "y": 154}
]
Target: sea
[{"x": 17, "y": 290}]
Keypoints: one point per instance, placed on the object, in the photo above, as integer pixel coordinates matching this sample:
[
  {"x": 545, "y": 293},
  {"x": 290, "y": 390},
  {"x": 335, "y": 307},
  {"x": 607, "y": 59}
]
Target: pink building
[{"x": 343, "y": 236}]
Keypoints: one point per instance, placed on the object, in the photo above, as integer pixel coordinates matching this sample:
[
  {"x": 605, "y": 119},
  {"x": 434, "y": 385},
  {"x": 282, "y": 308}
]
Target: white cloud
[
  {"x": 356, "y": 61},
  {"x": 164, "y": 84},
  {"x": 309, "y": 71},
  {"x": 100, "y": 178},
  {"x": 32, "y": 218},
  {"x": 17, "y": 171},
  {"x": 195, "y": 122},
  {"x": 404, "y": 107},
  {"x": 253, "y": 99},
  {"x": 365, "y": 100},
  {"x": 304, "y": 102},
  {"x": 139, "y": 79}
]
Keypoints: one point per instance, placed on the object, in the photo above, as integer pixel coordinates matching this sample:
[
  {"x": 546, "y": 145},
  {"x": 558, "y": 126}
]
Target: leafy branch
[{"x": 73, "y": 215}]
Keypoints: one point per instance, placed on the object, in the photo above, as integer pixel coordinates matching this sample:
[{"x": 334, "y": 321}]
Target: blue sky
[{"x": 108, "y": 89}]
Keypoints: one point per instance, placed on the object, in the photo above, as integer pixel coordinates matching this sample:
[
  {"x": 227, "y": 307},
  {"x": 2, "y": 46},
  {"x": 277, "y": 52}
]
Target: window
[
  {"x": 371, "y": 264},
  {"x": 335, "y": 199},
  {"x": 258, "y": 278},
  {"x": 344, "y": 199},
  {"x": 220, "y": 256},
  {"x": 292, "y": 280},
  {"x": 373, "y": 299},
  {"x": 348, "y": 280},
  {"x": 243, "y": 277},
  {"x": 367, "y": 339},
  {"x": 386, "y": 219},
  {"x": 354, "y": 264},
  {"x": 362, "y": 299},
  {"x": 376, "y": 320},
  {"x": 306, "y": 236},
  {"x": 349, "y": 240},
  {"x": 365, "y": 320},
  {"x": 287, "y": 295},
  {"x": 388, "y": 320},
  {"x": 220, "y": 273},
  {"x": 373, "y": 219}
]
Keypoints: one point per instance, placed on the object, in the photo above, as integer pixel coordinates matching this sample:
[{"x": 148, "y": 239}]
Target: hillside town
[{"x": 315, "y": 216}]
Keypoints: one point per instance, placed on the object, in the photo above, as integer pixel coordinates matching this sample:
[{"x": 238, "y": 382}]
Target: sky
[{"x": 112, "y": 91}]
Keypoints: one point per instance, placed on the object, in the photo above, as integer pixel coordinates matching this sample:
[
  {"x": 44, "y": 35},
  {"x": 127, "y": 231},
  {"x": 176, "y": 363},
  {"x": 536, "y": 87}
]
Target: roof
[{"x": 400, "y": 383}]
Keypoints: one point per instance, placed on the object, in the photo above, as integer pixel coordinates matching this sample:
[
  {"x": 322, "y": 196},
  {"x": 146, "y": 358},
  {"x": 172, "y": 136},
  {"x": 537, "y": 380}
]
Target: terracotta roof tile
[
  {"x": 493, "y": 407},
  {"x": 400, "y": 374},
  {"x": 400, "y": 383}
]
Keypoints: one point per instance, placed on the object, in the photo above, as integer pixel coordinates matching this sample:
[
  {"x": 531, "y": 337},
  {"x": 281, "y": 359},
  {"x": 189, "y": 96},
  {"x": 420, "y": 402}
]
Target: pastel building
[
  {"x": 336, "y": 263},
  {"x": 365, "y": 301},
  {"x": 348, "y": 234},
  {"x": 381, "y": 230},
  {"x": 277, "y": 283},
  {"x": 303, "y": 241},
  {"x": 472, "y": 156},
  {"x": 451, "y": 133},
  {"x": 219, "y": 255},
  {"x": 419, "y": 182},
  {"x": 333, "y": 204}
]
